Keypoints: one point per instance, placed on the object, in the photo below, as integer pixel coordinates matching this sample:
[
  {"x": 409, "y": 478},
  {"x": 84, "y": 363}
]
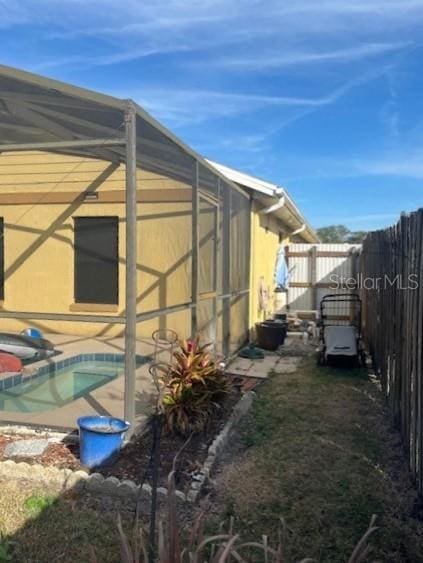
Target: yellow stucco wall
[
  {"x": 38, "y": 238},
  {"x": 40, "y": 195},
  {"x": 265, "y": 235}
]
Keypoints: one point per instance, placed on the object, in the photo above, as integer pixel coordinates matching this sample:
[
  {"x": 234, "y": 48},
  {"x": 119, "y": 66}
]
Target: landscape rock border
[
  {"x": 217, "y": 446},
  {"x": 96, "y": 483}
]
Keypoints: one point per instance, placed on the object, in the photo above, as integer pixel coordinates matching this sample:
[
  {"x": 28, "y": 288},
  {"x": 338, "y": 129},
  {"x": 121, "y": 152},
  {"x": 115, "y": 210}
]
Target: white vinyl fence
[{"x": 317, "y": 270}]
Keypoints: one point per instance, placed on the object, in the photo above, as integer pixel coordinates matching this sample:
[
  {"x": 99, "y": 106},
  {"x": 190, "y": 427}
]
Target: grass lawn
[
  {"x": 319, "y": 451},
  {"x": 38, "y": 527}
]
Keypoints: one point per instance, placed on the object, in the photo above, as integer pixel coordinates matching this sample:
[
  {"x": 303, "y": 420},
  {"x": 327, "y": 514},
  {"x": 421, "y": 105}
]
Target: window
[
  {"x": 1, "y": 258},
  {"x": 96, "y": 260}
]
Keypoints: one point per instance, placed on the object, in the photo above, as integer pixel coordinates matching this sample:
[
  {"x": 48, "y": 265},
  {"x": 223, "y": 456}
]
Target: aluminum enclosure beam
[
  {"x": 195, "y": 249},
  {"x": 157, "y": 313},
  {"x": 216, "y": 257},
  {"x": 131, "y": 263},
  {"x": 60, "y": 145},
  {"x": 226, "y": 271},
  {"x": 106, "y": 319}
]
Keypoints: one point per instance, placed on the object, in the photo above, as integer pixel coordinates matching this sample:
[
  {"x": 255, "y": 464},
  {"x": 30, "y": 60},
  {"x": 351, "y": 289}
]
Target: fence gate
[{"x": 317, "y": 270}]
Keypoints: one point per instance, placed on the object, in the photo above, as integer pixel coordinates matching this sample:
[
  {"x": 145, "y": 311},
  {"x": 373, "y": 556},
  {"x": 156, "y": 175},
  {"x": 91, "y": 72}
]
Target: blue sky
[{"x": 323, "y": 97}]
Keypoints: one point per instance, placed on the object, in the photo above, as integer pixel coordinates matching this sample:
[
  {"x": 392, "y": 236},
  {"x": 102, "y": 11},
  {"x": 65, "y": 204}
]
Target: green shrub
[{"x": 194, "y": 387}]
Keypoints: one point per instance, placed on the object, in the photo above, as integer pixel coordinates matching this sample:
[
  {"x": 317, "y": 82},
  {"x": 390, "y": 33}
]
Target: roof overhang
[{"x": 274, "y": 200}]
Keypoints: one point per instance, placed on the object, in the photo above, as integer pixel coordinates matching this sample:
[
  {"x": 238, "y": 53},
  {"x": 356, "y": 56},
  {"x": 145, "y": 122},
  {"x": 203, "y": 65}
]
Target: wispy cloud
[
  {"x": 176, "y": 106},
  {"x": 109, "y": 58},
  {"x": 358, "y": 222},
  {"x": 12, "y": 14},
  {"x": 390, "y": 111},
  {"x": 301, "y": 32},
  {"x": 265, "y": 61},
  {"x": 368, "y": 217},
  {"x": 194, "y": 106},
  {"x": 230, "y": 77},
  {"x": 406, "y": 164}
]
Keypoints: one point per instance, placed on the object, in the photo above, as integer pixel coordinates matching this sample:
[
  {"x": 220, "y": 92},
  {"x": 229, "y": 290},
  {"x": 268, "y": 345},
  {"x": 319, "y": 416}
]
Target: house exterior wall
[
  {"x": 41, "y": 193},
  {"x": 266, "y": 233}
]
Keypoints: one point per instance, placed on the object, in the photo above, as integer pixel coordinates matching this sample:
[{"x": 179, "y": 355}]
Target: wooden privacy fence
[
  {"x": 390, "y": 279},
  {"x": 319, "y": 269}
]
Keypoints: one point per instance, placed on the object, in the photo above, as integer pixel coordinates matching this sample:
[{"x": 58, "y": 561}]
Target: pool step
[{"x": 101, "y": 372}]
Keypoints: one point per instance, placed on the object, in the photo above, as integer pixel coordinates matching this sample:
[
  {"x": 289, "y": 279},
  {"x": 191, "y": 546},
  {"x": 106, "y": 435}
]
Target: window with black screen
[{"x": 96, "y": 260}]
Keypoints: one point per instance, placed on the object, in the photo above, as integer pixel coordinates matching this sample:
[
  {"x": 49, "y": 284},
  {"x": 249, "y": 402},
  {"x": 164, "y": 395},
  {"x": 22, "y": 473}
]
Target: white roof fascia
[{"x": 268, "y": 189}]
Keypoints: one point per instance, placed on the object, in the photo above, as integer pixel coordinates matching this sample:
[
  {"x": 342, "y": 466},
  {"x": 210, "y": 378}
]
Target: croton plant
[{"x": 194, "y": 387}]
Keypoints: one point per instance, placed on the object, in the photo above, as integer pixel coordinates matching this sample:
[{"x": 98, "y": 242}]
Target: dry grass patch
[
  {"x": 39, "y": 527},
  {"x": 320, "y": 452}
]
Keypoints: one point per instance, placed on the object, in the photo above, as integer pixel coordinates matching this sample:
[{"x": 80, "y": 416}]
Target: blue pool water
[{"x": 58, "y": 384}]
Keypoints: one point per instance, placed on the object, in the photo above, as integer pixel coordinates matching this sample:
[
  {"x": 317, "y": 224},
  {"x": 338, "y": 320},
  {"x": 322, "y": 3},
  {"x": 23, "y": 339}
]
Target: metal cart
[{"x": 340, "y": 331}]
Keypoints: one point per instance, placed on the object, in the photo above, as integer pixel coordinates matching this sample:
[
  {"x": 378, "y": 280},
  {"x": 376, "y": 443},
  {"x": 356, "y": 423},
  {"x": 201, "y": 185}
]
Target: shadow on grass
[
  {"x": 44, "y": 527},
  {"x": 315, "y": 456},
  {"x": 321, "y": 451},
  {"x": 346, "y": 372}
]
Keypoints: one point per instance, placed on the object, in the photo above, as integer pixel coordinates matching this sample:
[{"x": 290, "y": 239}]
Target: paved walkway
[
  {"x": 285, "y": 362},
  {"x": 260, "y": 369}
]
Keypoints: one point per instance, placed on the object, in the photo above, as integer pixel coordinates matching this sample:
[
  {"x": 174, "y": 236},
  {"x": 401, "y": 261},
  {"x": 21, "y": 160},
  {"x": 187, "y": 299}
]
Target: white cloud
[
  {"x": 265, "y": 61},
  {"x": 11, "y": 13},
  {"x": 406, "y": 164},
  {"x": 262, "y": 36},
  {"x": 367, "y": 218},
  {"x": 400, "y": 163},
  {"x": 390, "y": 111},
  {"x": 194, "y": 106},
  {"x": 321, "y": 37},
  {"x": 182, "y": 107}
]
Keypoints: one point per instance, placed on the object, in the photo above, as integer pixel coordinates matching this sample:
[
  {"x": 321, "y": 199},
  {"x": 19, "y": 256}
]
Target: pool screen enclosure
[{"x": 184, "y": 228}]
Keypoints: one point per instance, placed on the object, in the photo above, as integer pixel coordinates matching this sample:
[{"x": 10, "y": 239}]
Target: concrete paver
[
  {"x": 253, "y": 368},
  {"x": 26, "y": 448}
]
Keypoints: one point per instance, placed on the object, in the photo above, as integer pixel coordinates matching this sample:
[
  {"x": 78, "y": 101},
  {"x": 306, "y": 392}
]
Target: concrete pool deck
[{"x": 105, "y": 400}]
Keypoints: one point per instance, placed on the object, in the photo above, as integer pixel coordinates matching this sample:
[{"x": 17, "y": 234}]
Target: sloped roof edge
[{"x": 268, "y": 190}]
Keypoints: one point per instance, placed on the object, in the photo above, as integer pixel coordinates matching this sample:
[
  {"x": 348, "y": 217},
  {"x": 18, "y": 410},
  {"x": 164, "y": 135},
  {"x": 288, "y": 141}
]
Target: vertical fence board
[{"x": 393, "y": 324}]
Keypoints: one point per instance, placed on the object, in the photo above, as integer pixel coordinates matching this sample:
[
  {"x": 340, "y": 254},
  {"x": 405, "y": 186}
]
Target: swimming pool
[{"x": 56, "y": 384}]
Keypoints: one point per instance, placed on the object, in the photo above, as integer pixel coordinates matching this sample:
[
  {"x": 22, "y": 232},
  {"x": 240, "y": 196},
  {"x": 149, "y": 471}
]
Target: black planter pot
[
  {"x": 271, "y": 334},
  {"x": 280, "y": 317}
]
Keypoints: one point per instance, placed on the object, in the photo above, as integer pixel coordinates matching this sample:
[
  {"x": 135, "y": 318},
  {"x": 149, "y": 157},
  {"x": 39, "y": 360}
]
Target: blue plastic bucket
[{"x": 100, "y": 440}]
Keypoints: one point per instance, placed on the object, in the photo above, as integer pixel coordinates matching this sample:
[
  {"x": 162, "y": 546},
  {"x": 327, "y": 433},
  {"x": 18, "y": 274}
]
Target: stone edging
[
  {"x": 97, "y": 483},
  {"x": 217, "y": 446},
  {"x": 77, "y": 480}
]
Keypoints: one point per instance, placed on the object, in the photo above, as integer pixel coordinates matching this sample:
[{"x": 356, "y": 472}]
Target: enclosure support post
[
  {"x": 313, "y": 277},
  {"x": 131, "y": 262},
  {"x": 226, "y": 270},
  {"x": 216, "y": 268},
  {"x": 195, "y": 249}
]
